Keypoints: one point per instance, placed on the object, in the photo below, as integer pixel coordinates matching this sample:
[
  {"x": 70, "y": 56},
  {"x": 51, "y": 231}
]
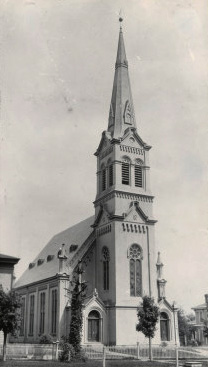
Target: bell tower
[{"x": 124, "y": 223}]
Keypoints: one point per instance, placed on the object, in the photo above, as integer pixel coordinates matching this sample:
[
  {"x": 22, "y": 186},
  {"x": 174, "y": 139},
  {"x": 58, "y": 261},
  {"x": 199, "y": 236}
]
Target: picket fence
[
  {"x": 100, "y": 352},
  {"x": 141, "y": 351}
]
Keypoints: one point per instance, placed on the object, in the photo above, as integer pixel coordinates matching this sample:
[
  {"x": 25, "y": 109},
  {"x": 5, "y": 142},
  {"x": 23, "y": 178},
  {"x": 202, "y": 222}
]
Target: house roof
[
  {"x": 8, "y": 259},
  {"x": 46, "y": 264},
  {"x": 200, "y": 307}
]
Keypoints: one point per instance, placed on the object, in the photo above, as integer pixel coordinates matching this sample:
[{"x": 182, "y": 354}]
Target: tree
[
  {"x": 78, "y": 295},
  {"x": 148, "y": 314},
  {"x": 205, "y": 330},
  {"x": 185, "y": 326},
  {"x": 10, "y": 316}
]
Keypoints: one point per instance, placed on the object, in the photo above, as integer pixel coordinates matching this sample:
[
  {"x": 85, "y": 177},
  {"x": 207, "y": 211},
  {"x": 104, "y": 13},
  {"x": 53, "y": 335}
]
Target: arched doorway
[
  {"x": 94, "y": 326},
  {"x": 164, "y": 327}
]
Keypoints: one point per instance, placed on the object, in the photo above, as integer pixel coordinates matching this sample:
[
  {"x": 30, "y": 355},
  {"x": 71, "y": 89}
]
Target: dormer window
[
  {"x": 50, "y": 257},
  {"x": 40, "y": 262},
  {"x": 73, "y": 248}
]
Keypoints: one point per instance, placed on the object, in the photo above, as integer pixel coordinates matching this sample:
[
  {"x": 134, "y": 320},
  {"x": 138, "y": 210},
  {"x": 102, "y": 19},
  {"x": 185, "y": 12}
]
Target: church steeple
[{"x": 121, "y": 114}]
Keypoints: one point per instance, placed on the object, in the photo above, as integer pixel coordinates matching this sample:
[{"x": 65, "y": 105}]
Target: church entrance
[
  {"x": 94, "y": 326},
  {"x": 164, "y": 327}
]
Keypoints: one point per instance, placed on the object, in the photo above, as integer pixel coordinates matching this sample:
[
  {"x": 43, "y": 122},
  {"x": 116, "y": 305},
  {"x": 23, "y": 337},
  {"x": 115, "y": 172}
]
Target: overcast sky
[{"x": 58, "y": 66}]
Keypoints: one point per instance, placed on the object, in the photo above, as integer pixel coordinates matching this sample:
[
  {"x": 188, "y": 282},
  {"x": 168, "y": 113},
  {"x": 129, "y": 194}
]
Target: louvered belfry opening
[
  {"x": 103, "y": 179},
  {"x": 125, "y": 173},
  {"x": 138, "y": 176},
  {"x": 111, "y": 175}
]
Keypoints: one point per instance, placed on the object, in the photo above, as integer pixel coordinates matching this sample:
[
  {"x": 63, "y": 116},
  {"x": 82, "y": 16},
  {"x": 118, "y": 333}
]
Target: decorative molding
[
  {"x": 132, "y": 227},
  {"x": 124, "y": 195},
  {"x": 126, "y": 148},
  {"x": 135, "y": 252},
  {"x": 103, "y": 230}
]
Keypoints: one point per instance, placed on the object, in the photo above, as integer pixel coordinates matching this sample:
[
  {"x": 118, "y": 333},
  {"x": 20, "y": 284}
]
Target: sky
[{"x": 57, "y": 67}]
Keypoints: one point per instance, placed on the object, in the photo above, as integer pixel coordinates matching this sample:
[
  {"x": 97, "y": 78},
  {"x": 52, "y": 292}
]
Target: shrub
[
  {"x": 81, "y": 356},
  {"x": 194, "y": 343},
  {"x": 46, "y": 339},
  {"x": 67, "y": 350},
  {"x": 164, "y": 344}
]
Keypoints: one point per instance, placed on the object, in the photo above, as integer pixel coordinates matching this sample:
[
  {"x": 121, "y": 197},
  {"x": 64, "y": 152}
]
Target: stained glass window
[
  {"x": 135, "y": 256},
  {"x": 42, "y": 313},
  {"x": 106, "y": 259},
  {"x": 31, "y": 313}
]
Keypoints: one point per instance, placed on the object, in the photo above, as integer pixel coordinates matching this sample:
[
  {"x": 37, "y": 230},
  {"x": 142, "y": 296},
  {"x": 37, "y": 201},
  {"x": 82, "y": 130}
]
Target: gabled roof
[
  {"x": 129, "y": 131},
  {"x": 135, "y": 208},
  {"x": 166, "y": 303},
  {"x": 74, "y": 235}
]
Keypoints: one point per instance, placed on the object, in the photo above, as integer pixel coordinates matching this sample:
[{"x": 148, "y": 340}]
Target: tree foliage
[
  {"x": 185, "y": 326},
  {"x": 10, "y": 317},
  {"x": 205, "y": 330},
  {"x": 148, "y": 316},
  {"x": 78, "y": 295}
]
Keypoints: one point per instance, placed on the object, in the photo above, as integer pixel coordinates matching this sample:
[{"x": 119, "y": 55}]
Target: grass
[
  {"x": 93, "y": 363},
  {"x": 89, "y": 363}
]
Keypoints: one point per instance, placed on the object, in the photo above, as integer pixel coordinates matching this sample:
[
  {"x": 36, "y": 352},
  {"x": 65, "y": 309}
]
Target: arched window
[
  {"x": 164, "y": 326},
  {"x": 125, "y": 171},
  {"x": 138, "y": 173},
  {"x": 94, "y": 326},
  {"x": 106, "y": 259},
  {"x": 135, "y": 265}
]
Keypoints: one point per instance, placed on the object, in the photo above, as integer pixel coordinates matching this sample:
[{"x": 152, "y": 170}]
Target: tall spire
[{"x": 121, "y": 115}]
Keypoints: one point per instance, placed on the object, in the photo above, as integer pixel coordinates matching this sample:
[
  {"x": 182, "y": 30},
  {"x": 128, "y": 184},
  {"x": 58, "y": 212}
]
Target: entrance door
[
  {"x": 164, "y": 327},
  {"x": 93, "y": 326}
]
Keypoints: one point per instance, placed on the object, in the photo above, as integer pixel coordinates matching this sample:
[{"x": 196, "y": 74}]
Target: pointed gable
[
  {"x": 136, "y": 214},
  {"x": 103, "y": 217}
]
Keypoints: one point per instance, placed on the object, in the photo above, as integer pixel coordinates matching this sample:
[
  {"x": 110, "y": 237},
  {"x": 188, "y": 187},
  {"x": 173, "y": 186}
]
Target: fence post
[
  {"x": 138, "y": 357},
  {"x": 104, "y": 355},
  {"x": 56, "y": 355},
  {"x": 176, "y": 350}
]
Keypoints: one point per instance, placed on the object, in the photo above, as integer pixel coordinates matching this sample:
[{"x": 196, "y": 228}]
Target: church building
[{"x": 116, "y": 246}]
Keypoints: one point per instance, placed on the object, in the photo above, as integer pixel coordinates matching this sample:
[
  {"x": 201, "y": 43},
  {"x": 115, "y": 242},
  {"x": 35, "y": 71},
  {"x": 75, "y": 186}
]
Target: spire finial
[{"x": 120, "y": 18}]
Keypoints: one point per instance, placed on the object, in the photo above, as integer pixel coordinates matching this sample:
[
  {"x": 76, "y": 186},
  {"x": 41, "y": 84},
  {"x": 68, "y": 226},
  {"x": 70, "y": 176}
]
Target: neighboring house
[
  {"x": 7, "y": 264},
  {"x": 201, "y": 314},
  {"x": 7, "y": 271},
  {"x": 116, "y": 245}
]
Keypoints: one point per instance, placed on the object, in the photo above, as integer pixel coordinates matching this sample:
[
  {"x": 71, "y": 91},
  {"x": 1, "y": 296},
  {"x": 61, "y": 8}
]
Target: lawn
[
  {"x": 90, "y": 363},
  {"x": 93, "y": 363}
]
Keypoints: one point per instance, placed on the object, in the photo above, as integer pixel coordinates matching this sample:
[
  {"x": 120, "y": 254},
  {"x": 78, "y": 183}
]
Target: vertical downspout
[{"x": 148, "y": 254}]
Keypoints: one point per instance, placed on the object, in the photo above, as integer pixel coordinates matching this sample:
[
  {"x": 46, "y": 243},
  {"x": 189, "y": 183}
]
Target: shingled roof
[{"x": 46, "y": 264}]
